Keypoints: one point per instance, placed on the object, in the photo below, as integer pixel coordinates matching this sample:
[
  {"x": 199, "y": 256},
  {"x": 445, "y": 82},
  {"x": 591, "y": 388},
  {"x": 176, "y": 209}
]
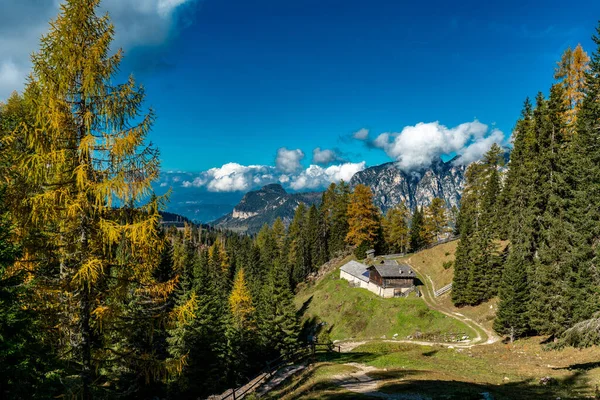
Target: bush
[{"x": 448, "y": 264}]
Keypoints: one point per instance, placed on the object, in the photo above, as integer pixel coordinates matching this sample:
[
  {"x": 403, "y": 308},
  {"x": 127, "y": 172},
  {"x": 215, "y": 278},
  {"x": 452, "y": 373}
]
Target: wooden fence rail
[
  {"x": 443, "y": 290},
  {"x": 271, "y": 369}
]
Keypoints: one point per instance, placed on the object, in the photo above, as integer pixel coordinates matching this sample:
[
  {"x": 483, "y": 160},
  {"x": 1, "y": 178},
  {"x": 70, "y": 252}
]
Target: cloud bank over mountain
[
  {"x": 416, "y": 147},
  {"x": 413, "y": 149},
  {"x": 233, "y": 177}
]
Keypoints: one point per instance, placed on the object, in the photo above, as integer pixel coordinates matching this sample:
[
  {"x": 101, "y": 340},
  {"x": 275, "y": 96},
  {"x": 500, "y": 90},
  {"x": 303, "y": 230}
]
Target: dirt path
[
  {"x": 360, "y": 382},
  {"x": 484, "y": 335}
]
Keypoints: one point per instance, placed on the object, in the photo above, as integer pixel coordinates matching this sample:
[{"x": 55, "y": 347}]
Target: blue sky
[{"x": 233, "y": 81}]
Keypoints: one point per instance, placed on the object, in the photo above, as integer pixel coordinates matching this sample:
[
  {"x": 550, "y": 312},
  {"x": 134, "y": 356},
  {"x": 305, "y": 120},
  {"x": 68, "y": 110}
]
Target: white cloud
[
  {"x": 234, "y": 177},
  {"x": 288, "y": 161},
  {"x": 324, "y": 157},
  {"x": 22, "y": 22},
  {"x": 361, "y": 134},
  {"x": 417, "y": 146},
  {"x": 477, "y": 149},
  {"x": 318, "y": 177}
]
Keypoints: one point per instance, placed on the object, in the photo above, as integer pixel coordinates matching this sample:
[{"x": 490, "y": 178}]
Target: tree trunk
[{"x": 86, "y": 353}]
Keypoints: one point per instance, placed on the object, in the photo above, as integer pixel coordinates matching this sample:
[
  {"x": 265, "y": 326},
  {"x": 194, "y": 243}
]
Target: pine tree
[
  {"x": 511, "y": 318},
  {"x": 90, "y": 165},
  {"x": 520, "y": 219},
  {"x": 340, "y": 197},
  {"x": 585, "y": 207},
  {"x": 478, "y": 267},
  {"x": 550, "y": 308},
  {"x": 197, "y": 333},
  {"x": 363, "y": 220},
  {"x": 463, "y": 261},
  {"x": 416, "y": 230},
  {"x": 280, "y": 326},
  {"x": 299, "y": 253},
  {"x": 240, "y": 303}
]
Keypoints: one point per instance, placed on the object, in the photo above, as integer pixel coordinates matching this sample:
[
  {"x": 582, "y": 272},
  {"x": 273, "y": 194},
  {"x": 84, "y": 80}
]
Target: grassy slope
[
  {"x": 504, "y": 371},
  {"x": 429, "y": 266},
  {"x": 353, "y": 313}
]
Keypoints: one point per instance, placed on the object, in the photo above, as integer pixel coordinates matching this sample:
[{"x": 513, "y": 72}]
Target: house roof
[
  {"x": 394, "y": 270},
  {"x": 357, "y": 270}
]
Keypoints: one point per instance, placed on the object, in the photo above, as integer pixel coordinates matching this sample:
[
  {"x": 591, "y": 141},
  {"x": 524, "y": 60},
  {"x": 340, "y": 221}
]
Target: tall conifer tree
[{"x": 93, "y": 173}]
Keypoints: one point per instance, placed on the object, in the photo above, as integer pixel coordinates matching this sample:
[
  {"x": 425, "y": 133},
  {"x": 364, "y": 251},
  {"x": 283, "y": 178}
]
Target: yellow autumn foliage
[{"x": 240, "y": 303}]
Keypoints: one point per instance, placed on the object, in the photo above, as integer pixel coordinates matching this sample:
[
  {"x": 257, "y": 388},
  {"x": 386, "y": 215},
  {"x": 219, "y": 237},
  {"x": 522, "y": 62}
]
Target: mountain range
[{"x": 389, "y": 185}]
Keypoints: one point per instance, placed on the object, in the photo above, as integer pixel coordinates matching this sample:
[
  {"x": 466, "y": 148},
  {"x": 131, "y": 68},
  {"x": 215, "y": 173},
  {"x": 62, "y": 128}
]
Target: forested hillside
[{"x": 546, "y": 205}]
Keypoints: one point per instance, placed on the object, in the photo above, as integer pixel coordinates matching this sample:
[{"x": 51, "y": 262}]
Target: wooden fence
[
  {"x": 443, "y": 290},
  {"x": 272, "y": 368},
  {"x": 429, "y": 246}
]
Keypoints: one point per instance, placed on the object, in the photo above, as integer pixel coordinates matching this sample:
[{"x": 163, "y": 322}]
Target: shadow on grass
[
  {"x": 414, "y": 382},
  {"x": 300, "y": 313},
  {"x": 582, "y": 366},
  {"x": 454, "y": 390}
]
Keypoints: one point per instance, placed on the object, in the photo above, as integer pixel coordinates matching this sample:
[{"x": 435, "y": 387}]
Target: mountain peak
[{"x": 273, "y": 188}]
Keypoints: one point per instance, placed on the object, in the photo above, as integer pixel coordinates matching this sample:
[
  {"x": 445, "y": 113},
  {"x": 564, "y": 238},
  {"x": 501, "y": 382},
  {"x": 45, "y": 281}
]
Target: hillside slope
[
  {"x": 353, "y": 313},
  {"x": 429, "y": 265}
]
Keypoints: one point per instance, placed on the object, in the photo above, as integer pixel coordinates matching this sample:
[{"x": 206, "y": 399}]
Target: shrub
[{"x": 448, "y": 264}]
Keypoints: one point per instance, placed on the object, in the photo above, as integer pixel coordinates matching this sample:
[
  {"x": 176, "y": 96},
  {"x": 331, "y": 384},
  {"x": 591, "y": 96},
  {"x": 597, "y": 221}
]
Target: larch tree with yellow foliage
[
  {"x": 241, "y": 338},
  {"x": 395, "y": 228},
  {"x": 240, "y": 303},
  {"x": 92, "y": 172},
  {"x": 435, "y": 221},
  {"x": 571, "y": 73},
  {"x": 364, "y": 223}
]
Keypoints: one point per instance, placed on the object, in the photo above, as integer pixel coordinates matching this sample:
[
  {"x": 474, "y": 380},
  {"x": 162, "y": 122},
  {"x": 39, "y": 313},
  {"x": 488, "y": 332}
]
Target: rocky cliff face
[
  {"x": 390, "y": 185},
  {"x": 265, "y": 206}
]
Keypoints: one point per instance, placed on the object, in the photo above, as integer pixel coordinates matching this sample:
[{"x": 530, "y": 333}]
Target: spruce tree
[
  {"x": 298, "y": 257},
  {"x": 339, "y": 219},
  {"x": 511, "y": 318},
  {"x": 416, "y": 230}
]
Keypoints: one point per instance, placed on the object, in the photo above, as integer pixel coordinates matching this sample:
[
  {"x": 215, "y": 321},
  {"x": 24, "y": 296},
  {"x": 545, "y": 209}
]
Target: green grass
[
  {"x": 504, "y": 371},
  {"x": 354, "y": 313}
]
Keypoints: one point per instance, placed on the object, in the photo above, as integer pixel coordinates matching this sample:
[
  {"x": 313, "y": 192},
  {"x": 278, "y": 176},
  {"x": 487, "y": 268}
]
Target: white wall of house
[
  {"x": 371, "y": 286},
  {"x": 353, "y": 279}
]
